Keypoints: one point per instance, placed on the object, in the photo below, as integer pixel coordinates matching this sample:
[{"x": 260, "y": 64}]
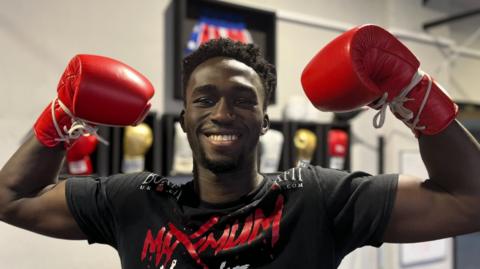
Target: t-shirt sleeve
[
  {"x": 359, "y": 206},
  {"x": 92, "y": 203}
]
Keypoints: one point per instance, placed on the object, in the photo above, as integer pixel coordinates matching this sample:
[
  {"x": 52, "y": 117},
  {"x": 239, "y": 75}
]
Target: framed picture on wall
[{"x": 197, "y": 21}]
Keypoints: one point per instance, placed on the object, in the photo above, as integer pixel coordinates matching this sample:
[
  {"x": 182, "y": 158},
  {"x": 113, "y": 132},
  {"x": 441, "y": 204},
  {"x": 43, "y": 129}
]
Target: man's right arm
[
  {"x": 92, "y": 89},
  {"x": 30, "y": 196}
]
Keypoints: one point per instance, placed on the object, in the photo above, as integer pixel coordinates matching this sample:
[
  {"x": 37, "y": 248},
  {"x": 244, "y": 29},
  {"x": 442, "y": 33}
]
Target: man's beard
[{"x": 219, "y": 166}]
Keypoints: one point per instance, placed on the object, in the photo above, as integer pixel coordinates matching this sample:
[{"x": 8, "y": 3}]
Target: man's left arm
[
  {"x": 372, "y": 67},
  {"x": 447, "y": 203}
]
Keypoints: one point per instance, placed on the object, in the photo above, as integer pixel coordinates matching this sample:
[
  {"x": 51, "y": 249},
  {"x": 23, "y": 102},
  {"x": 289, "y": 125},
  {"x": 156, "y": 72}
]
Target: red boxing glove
[
  {"x": 78, "y": 155},
  {"x": 93, "y": 90},
  {"x": 369, "y": 66},
  {"x": 337, "y": 148}
]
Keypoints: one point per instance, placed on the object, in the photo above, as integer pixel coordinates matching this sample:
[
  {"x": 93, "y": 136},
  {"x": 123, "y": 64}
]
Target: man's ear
[
  {"x": 265, "y": 124},
  {"x": 182, "y": 120}
]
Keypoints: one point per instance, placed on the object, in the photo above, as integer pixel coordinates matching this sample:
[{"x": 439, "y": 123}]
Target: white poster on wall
[{"x": 422, "y": 253}]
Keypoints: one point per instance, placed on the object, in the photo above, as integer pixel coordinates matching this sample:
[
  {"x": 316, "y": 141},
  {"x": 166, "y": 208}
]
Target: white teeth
[{"x": 223, "y": 137}]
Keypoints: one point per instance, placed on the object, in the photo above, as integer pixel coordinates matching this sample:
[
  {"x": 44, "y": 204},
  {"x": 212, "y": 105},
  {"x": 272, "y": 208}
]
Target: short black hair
[{"x": 248, "y": 54}]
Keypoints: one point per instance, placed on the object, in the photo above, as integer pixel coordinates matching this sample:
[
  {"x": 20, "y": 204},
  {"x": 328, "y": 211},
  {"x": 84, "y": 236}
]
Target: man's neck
[{"x": 217, "y": 188}]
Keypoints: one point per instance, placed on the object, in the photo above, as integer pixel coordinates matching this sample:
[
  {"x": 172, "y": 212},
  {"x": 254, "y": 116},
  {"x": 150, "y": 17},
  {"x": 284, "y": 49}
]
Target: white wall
[{"x": 37, "y": 39}]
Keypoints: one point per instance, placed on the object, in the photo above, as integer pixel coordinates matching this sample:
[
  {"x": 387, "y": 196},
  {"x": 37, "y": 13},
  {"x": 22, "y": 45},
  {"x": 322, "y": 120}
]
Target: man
[{"x": 230, "y": 215}]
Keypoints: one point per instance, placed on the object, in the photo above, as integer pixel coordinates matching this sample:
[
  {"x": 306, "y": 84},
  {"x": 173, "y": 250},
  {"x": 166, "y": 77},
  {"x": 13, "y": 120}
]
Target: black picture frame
[
  {"x": 152, "y": 156},
  {"x": 260, "y": 23},
  {"x": 321, "y": 156}
]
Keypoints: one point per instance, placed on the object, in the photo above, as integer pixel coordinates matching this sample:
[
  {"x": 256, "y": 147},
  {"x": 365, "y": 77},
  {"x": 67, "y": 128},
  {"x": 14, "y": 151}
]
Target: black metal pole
[
  {"x": 381, "y": 154},
  {"x": 450, "y": 19}
]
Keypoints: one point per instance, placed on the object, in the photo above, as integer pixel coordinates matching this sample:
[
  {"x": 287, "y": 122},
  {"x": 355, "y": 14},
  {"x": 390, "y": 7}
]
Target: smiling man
[
  {"x": 230, "y": 215},
  {"x": 224, "y": 116}
]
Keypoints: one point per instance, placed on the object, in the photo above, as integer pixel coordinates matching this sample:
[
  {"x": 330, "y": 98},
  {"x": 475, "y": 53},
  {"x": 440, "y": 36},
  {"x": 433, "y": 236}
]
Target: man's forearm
[
  {"x": 29, "y": 170},
  {"x": 452, "y": 159}
]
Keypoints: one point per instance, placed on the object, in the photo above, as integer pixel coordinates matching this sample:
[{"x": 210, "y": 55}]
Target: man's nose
[{"x": 223, "y": 112}]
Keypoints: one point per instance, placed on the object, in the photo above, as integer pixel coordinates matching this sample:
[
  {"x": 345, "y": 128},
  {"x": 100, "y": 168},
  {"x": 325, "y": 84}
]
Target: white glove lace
[
  {"x": 79, "y": 127},
  {"x": 396, "y": 105}
]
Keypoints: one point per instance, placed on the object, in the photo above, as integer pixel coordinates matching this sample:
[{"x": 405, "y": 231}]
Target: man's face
[{"x": 223, "y": 115}]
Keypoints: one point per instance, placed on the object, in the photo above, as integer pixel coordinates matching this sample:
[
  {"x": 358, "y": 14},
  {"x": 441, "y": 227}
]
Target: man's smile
[{"x": 223, "y": 138}]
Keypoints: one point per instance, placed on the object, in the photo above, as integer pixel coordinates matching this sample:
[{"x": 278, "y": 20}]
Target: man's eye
[
  {"x": 204, "y": 101},
  {"x": 246, "y": 101}
]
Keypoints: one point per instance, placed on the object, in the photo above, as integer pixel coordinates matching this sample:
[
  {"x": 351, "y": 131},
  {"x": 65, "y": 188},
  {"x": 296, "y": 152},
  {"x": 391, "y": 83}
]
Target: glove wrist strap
[
  {"x": 78, "y": 128},
  {"x": 397, "y": 104}
]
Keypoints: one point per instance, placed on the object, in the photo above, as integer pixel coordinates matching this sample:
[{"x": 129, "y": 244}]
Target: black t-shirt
[{"x": 308, "y": 217}]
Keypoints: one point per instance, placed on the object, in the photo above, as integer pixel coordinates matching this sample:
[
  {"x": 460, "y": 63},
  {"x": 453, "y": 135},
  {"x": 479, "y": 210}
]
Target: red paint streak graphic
[
  {"x": 243, "y": 237},
  {"x": 216, "y": 244},
  {"x": 160, "y": 246},
  {"x": 266, "y": 222},
  {"x": 183, "y": 238},
  {"x": 276, "y": 219},
  {"x": 254, "y": 226},
  {"x": 205, "y": 227}
]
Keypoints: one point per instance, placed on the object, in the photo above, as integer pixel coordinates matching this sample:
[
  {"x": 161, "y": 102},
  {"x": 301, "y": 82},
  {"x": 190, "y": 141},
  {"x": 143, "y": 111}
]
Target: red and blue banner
[{"x": 213, "y": 26}]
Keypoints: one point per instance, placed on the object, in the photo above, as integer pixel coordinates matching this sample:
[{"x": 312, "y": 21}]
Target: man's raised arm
[
  {"x": 369, "y": 66},
  {"x": 447, "y": 203},
  {"x": 92, "y": 90}
]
